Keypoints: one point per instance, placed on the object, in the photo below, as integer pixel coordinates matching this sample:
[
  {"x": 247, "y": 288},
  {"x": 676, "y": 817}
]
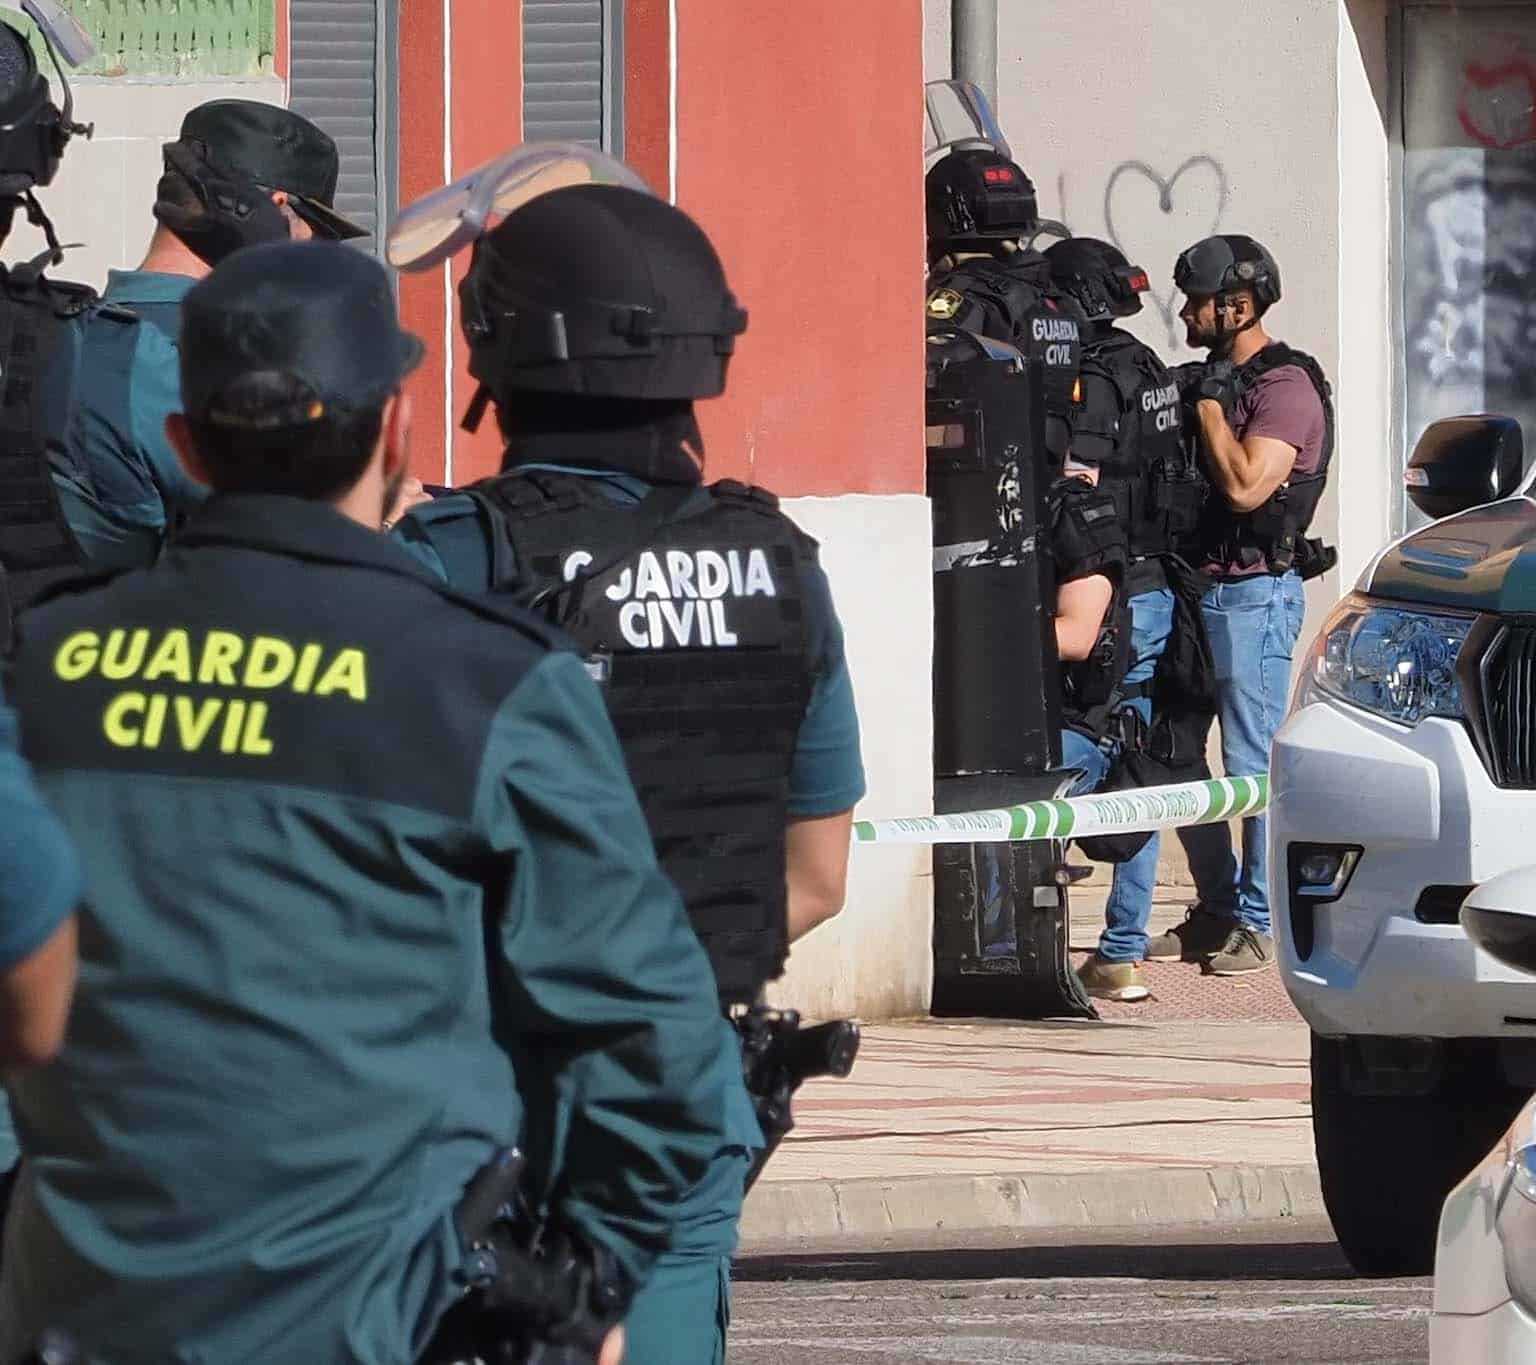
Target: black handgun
[
  {"x": 536, "y": 1295},
  {"x": 778, "y": 1056}
]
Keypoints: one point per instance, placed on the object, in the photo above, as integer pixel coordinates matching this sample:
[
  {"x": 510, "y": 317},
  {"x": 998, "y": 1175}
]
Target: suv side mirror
[
  {"x": 1464, "y": 462},
  {"x": 1500, "y": 917}
]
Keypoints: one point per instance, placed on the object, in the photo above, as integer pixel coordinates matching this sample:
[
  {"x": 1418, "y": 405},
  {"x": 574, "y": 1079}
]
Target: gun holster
[
  {"x": 777, "y": 1057},
  {"x": 534, "y": 1294}
]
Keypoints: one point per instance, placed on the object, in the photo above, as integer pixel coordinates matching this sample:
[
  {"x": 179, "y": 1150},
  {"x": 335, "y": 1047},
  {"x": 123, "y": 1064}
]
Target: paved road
[{"x": 1190, "y": 1299}]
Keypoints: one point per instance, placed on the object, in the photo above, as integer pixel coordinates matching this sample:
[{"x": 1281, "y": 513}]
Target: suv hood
[{"x": 1482, "y": 560}]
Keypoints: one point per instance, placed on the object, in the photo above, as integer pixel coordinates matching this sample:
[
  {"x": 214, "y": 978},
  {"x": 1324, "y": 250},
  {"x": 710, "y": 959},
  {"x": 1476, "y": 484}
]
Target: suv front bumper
[{"x": 1425, "y": 812}]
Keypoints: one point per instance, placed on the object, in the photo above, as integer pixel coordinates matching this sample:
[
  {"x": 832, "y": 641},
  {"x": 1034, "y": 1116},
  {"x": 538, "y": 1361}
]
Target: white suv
[{"x": 1405, "y": 775}]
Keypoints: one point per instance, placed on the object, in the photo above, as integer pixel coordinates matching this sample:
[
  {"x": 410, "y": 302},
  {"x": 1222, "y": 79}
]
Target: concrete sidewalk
[{"x": 960, "y": 1128}]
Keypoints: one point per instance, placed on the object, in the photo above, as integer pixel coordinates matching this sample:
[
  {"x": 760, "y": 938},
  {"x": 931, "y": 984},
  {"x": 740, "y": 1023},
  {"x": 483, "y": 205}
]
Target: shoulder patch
[{"x": 944, "y": 304}]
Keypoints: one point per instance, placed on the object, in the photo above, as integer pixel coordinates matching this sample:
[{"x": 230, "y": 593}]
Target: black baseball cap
[
  {"x": 279, "y": 150},
  {"x": 317, "y": 315}
]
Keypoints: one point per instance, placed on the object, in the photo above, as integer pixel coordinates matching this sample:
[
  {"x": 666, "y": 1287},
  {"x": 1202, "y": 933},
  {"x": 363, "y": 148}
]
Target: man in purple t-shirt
[{"x": 1266, "y": 452}]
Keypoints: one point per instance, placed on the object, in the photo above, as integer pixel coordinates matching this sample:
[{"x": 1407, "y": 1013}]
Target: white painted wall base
[{"x": 875, "y": 960}]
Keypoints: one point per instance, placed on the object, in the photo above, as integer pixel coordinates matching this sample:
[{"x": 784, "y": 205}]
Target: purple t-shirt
[{"x": 1282, "y": 404}]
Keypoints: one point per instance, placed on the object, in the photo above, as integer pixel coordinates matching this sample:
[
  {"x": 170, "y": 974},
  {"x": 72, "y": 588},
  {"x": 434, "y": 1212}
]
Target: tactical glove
[{"x": 234, "y": 211}]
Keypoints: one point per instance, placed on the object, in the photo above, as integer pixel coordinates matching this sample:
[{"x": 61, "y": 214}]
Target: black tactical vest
[
  {"x": 1014, "y": 300},
  {"x": 1152, "y": 475},
  {"x": 40, "y": 338},
  {"x": 1269, "y": 535},
  {"x": 695, "y": 629},
  {"x": 1087, "y": 538}
]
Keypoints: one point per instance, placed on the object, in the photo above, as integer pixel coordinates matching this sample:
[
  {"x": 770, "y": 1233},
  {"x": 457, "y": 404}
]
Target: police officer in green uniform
[
  {"x": 241, "y": 172},
  {"x": 40, "y": 319},
  {"x": 40, "y": 879},
  {"x": 40, "y": 886},
  {"x": 596, "y": 314},
  {"x": 368, "y": 884}
]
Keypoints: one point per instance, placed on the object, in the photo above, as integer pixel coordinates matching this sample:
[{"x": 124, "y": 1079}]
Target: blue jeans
[
  {"x": 1253, "y": 624},
  {"x": 1130, "y": 898}
]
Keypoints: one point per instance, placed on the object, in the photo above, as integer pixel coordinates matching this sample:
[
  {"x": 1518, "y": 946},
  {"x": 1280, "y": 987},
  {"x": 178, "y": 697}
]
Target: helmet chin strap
[{"x": 1226, "y": 339}]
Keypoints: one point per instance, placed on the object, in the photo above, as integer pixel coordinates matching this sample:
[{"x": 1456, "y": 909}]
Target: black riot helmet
[
  {"x": 1222, "y": 265},
  {"x": 1098, "y": 276},
  {"x": 976, "y": 198},
  {"x": 33, "y": 129},
  {"x": 598, "y": 290}
]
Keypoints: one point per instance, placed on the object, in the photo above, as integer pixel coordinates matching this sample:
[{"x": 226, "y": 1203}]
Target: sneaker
[
  {"x": 1201, "y": 934},
  {"x": 1122, "y": 981},
  {"x": 1246, "y": 950}
]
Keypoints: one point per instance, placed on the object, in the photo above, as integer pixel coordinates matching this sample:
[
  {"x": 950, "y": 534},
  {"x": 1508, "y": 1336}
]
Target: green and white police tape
[{"x": 1122, "y": 812}]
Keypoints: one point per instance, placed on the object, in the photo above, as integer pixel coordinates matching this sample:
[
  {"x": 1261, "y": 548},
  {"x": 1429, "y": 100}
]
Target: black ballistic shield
[{"x": 1000, "y": 910}]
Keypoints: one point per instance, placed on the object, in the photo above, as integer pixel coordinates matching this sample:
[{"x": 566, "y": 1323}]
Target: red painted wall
[
  {"x": 280, "y": 44},
  {"x": 647, "y": 90},
  {"x": 487, "y": 121},
  {"x": 800, "y": 152},
  {"x": 422, "y": 43}
]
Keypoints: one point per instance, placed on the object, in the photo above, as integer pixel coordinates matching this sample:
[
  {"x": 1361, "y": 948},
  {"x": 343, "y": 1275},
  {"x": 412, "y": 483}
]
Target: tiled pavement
[
  {"x": 945, "y": 1098},
  {"x": 1193, "y": 1107}
]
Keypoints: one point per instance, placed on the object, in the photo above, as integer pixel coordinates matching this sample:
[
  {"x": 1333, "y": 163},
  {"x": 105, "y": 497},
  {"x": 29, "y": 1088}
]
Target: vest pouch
[
  {"x": 1176, "y": 746},
  {"x": 1094, "y": 680},
  {"x": 1178, "y": 497},
  {"x": 1185, "y": 677},
  {"x": 1313, "y": 558},
  {"x": 1134, "y": 768}
]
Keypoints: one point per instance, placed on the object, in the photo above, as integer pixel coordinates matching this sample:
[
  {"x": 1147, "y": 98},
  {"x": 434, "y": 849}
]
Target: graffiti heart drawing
[
  {"x": 1498, "y": 104},
  {"x": 1201, "y": 186}
]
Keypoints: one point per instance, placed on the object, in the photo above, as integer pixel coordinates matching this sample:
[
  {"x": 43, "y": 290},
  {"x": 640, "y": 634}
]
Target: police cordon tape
[{"x": 1122, "y": 812}]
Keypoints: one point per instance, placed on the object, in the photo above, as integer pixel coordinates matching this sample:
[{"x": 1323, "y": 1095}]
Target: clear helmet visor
[
  {"x": 957, "y": 115},
  {"x": 442, "y": 223},
  {"x": 62, "y": 30}
]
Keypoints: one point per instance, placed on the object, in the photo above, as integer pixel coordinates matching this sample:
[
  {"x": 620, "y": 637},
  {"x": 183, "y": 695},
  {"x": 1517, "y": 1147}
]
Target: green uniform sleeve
[
  {"x": 827, "y": 774},
  {"x": 448, "y": 536},
  {"x": 153, "y": 394},
  {"x": 40, "y": 878},
  {"x": 604, "y": 982}
]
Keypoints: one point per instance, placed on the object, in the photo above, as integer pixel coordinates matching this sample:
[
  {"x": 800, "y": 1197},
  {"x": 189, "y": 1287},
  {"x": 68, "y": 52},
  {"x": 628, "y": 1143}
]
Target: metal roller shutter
[
  {"x": 566, "y": 71},
  {"x": 333, "y": 80}
]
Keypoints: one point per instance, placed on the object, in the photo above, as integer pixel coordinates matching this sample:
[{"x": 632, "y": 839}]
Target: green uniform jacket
[
  {"x": 120, "y": 482},
  {"x": 367, "y": 884}
]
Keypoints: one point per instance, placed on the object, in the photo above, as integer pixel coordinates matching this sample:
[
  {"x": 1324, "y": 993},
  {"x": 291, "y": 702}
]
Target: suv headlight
[
  {"x": 1516, "y": 1216},
  {"x": 1395, "y": 662}
]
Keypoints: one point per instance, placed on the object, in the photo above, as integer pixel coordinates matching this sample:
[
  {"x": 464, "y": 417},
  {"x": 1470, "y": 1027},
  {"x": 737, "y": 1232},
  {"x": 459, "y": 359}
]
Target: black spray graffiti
[
  {"x": 1200, "y": 169},
  {"x": 1197, "y": 194},
  {"x": 1469, "y": 315}
]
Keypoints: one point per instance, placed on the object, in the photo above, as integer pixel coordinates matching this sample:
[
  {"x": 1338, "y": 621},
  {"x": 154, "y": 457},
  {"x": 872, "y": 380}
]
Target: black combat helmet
[
  {"x": 1224, "y": 264},
  {"x": 598, "y": 290},
  {"x": 32, "y": 129},
  {"x": 1098, "y": 276},
  {"x": 976, "y": 198}
]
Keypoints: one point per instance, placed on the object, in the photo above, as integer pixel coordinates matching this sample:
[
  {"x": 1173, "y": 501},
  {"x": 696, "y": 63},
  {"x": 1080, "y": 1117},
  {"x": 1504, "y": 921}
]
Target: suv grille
[{"x": 1502, "y": 707}]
